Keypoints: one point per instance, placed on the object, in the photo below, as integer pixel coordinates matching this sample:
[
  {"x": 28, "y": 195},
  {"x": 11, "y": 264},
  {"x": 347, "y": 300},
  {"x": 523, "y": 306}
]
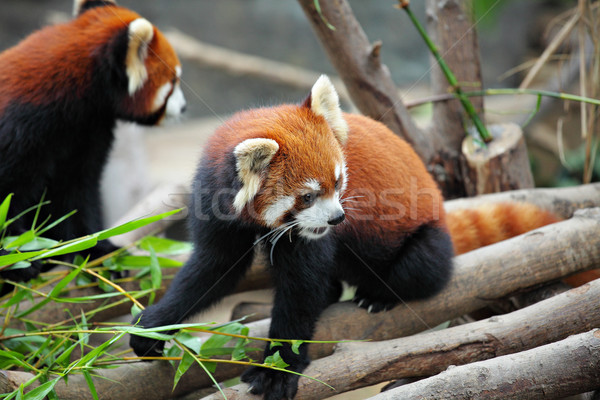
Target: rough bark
[
  {"x": 502, "y": 165},
  {"x": 355, "y": 365},
  {"x": 450, "y": 26},
  {"x": 561, "y": 201},
  {"x": 359, "y": 65},
  {"x": 552, "y": 371}
]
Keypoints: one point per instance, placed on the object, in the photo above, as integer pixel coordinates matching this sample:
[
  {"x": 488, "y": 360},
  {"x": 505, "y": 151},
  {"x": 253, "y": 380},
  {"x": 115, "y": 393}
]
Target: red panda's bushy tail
[{"x": 494, "y": 222}]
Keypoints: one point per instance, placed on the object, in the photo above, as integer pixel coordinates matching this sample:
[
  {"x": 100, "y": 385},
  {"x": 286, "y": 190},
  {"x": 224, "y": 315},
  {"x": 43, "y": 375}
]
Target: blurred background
[{"x": 511, "y": 33}]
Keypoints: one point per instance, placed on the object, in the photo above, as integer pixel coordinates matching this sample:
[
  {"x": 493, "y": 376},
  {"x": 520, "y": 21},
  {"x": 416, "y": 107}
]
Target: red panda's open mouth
[{"x": 318, "y": 231}]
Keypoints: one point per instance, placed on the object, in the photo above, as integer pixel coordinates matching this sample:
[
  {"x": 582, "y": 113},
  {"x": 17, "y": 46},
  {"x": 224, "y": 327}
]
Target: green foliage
[{"x": 48, "y": 350}]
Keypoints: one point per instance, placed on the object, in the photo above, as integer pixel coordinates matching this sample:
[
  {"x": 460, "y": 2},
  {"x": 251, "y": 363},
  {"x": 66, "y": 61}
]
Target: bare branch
[
  {"x": 553, "y": 371},
  {"x": 359, "y": 65},
  {"x": 430, "y": 353}
]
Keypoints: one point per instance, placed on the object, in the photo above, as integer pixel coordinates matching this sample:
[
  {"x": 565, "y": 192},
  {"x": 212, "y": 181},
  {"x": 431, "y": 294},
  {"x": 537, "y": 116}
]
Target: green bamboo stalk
[{"x": 464, "y": 100}]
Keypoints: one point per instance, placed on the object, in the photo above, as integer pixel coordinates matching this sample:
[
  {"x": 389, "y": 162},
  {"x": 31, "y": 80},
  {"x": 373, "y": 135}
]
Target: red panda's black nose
[{"x": 337, "y": 219}]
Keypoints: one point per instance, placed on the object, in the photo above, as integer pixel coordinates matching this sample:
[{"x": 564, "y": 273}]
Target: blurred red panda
[{"x": 61, "y": 91}]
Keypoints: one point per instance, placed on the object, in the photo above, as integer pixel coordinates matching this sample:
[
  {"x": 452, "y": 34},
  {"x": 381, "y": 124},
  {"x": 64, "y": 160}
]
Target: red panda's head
[
  {"x": 141, "y": 55},
  {"x": 292, "y": 166}
]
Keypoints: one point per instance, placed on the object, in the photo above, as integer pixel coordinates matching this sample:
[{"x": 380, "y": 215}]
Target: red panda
[
  {"x": 335, "y": 197},
  {"x": 61, "y": 91}
]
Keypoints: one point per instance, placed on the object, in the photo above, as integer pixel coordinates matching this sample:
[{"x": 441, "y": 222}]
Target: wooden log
[
  {"x": 560, "y": 201},
  {"x": 356, "y": 365},
  {"x": 368, "y": 81},
  {"x": 502, "y": 165},
  {"x": 552, "y": 371},
  {"x": 254, "y": 311},
  {"x": 163, "y": 199},
  {"x": 257, "y": 278}
]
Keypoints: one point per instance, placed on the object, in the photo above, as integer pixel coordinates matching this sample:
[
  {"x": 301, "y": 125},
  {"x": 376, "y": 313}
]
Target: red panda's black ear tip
[
  {"x": 80, "y": 6},
  {"x": 307, "y": 101}
]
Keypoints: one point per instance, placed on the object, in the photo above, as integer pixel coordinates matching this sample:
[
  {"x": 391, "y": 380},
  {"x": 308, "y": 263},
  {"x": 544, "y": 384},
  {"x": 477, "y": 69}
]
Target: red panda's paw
[
  {"x": 275, "y": 385},
  {"x": 146, "y": 347},
  {"x": 373, "y": 305}
]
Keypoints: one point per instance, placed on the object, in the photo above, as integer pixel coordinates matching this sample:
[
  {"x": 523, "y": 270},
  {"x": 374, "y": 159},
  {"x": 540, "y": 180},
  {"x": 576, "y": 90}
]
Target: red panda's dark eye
[
  {"x": 309, "y": 198},
  {"x": 338, "y": 184}
]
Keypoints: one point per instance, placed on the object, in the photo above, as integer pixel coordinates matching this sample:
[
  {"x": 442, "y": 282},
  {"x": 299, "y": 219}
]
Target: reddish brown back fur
[{"x": 395, "y": 202}]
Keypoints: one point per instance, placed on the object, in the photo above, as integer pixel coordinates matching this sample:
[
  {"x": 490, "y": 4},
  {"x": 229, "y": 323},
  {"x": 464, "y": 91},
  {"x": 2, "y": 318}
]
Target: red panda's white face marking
[
  {"x": 171, "y": 94},
  {"x": 176, "y": 103},
  {"x": 275, "y": 211}
]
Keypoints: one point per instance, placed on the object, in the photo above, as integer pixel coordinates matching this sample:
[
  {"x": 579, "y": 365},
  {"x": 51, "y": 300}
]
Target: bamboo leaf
[
  {"x": 90, "y": 382},
  {"x": 132, "y": 225},
  {"x": 40, "y": 392},
  {"x": 4, "y": 209},
  {"x": 186, "y": 361},
  {"x": 165, "y": 246}
]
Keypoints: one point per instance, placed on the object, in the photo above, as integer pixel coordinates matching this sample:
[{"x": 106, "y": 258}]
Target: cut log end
[{"x": 502, "y": 165}]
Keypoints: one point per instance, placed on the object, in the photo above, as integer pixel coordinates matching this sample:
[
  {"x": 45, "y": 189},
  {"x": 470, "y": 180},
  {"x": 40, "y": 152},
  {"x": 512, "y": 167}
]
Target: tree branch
[
  {"x": 430, "y": 353},
  {"x": 359, "y": 65},
  {"x": 555, "y": 370}
]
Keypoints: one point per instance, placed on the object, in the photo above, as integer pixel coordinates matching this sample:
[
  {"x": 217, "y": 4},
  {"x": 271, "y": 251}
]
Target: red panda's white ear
[
  {"x": 80, "y": 6},
  {"x": 324, "y": 101},
  {"x": 252, "y": 156},
  {"x": 141, "y": 33}
]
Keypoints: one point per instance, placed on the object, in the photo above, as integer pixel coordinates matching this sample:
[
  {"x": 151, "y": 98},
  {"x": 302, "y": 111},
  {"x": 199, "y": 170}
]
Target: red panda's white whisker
[{"x": 287, "y": 227}]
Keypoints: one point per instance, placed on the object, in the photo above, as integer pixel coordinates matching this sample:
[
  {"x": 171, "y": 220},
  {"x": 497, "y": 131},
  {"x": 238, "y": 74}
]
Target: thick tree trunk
[
  {"x": 359, "y": 65},
  {"x": 450, "y": 26},
  {"x": 553, "y": 371}
]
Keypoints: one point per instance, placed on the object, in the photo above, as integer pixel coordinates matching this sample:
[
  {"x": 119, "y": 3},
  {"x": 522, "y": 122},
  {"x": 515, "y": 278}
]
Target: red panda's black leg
[
  {"x": 421, "y": 268},
  {"x": 222, "y": 254},
  {"x": 303, "y": 289}
]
